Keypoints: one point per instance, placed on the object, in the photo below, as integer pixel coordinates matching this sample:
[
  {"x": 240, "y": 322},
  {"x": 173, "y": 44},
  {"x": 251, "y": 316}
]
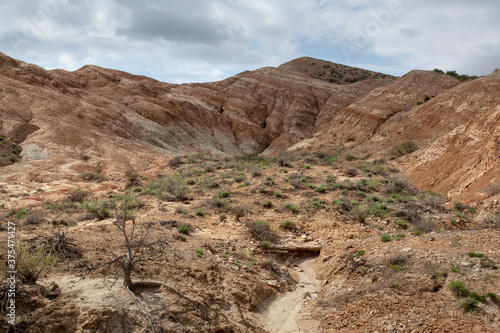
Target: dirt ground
[{"x": 338, "y": 251}]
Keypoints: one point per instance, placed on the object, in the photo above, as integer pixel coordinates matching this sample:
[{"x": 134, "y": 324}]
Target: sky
[{"x": 180, "y": 41}]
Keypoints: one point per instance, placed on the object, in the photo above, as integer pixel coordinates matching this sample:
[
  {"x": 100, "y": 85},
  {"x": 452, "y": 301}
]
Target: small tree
[{"x": 137, "y": 245}]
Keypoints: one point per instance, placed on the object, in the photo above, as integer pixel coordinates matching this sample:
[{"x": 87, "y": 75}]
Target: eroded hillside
[{"x": 389, "y": 186}]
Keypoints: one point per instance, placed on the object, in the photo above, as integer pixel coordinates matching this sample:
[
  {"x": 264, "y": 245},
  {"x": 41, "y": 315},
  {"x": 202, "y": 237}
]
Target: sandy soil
[{"x": 290, "y": 313}]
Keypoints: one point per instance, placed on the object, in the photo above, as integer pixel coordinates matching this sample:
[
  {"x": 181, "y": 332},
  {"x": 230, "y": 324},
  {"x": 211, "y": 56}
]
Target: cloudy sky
[{"x": 206, "y": 40}]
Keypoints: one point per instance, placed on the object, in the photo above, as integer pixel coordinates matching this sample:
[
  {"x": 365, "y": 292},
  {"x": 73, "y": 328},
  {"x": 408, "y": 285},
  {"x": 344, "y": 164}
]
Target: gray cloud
[
  {"x": 175, "y": 23},
  {"x": 205, "y": 40}
]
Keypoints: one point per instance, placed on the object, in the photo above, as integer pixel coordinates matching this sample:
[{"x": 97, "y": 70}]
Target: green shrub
[
  {"x": 223, "y": 194},
  {"x": 267, "y": 204},
  {"x": 173, "y": 185},
  {"x": 385, "y": 238},
  {"x": 378, "y": 209},
  {"x": 307, "y": 166},
  {"x": 492, "y": 296},
  {"x": 265, "y": 245},
  {"x": 475, "y": 255},
  {"x": 277, "y": 194},
  {"x": 400, "y": 236},
  {"x": 184, "y": 229},
  {"x": 458, "y": 288},
  {"x": 199, "y": 212},
  {"x": 199, "y": 252},
  {"x": 469, "y": 304},
  {"x": 402, "y": 224},
  {"x": 289, "y": 225},
  {"x": 100, "y": 209},
  {"x": 478, "y": 297},
  {"x": 461, "y": 207},
  {"x": 321, "y": 188},
  {"x": 360, "y": 253}
]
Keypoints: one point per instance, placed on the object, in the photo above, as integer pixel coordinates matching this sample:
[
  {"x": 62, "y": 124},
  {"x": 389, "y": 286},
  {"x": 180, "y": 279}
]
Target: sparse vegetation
[
  {"x": 93, "y": 177},
  {"x": 404, "y": 148}
]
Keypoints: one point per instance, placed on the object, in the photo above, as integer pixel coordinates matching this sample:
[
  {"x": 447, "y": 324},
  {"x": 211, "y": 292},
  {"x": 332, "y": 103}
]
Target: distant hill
[{"x": 332, "y": 72}]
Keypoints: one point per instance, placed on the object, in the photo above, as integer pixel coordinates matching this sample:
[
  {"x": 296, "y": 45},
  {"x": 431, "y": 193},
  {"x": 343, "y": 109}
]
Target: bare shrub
[
  {"x": 401, "y": 186},
  {"x": 239, "y": 212},
  {"x": 61, "y": 244},
  {"x": 78, "y": 195},
  {"x": 261, "y": 230},
  {"x": 34, "y": 218},
  {"x": 404, "y": 148},
  {"x": 433, "y": 199},
  {"x": 175, "y": 161},
  {"x": 93, "y": 177},
  {"x": 351, "y": 172},
  {"x": 492, "y": 189},
  {"x": 133, "y": 178}
]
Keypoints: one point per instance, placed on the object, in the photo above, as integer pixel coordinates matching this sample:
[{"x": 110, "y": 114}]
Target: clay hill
[
  {"x": 93, "y": 118},
  {"x": 312, "y": 191}
]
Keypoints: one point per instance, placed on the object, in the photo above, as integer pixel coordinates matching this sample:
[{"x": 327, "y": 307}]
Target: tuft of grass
[
  {"x": 184, "y": 229},
  {"x": 385, "y": 238},
  {"x": 199, "y": 253},
  {"x": 199, "y": 212},
  {"x": 458, "y": 288},
  {"x": 469, "y": 304},
  {"x": 289, "y": 225},
  {"x": 402, "y": 224},
  {"x": 224, "y": 194},
  {"x": 475, "y": 255},
  {"x": 321, "y": 188},
  {"x": 267, "y": 204}
]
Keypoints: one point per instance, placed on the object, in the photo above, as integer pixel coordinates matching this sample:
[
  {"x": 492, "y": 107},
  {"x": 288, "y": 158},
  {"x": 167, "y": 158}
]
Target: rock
[{"x": 273, "y": 283}]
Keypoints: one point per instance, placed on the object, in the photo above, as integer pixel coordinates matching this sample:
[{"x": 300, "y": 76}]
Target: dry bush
[
  {"x": 492, "y": 189},
  {"x": 401, "y": 186},
  {"x": 78, "y": 195},
  {"x": 261, "y": 231},
  {"x": 60, "y": 244},
  {"x": 351, "y": 172},
  {"x": 32, "y": 263},
  {"x": 433, "y": 199},
  {"x": 93, "y": 177},
  {"x": 133, "y": 178},
  {"x": 34, "y": 218},
  {"x": 404, "y": 148},
  {"x": 239, "y": 212},
  {"x": 175, "y": 161}
]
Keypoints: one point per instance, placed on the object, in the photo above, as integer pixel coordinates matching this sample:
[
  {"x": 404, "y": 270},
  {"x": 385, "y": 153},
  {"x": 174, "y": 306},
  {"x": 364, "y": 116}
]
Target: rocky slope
[
  {"x": 91, "y": 119},
  {"x": 78, "y": 147}
]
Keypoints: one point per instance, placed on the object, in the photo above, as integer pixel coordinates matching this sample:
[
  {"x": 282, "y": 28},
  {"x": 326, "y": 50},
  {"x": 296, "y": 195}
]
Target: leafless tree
[{"x": 137, "y": 245}]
